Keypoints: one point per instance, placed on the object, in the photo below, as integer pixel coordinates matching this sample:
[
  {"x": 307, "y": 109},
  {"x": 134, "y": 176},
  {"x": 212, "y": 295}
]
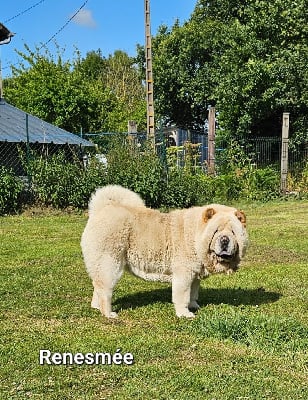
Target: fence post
[
  {"x": 211, "y": 142},
  {"x": 284, "y": 152}
]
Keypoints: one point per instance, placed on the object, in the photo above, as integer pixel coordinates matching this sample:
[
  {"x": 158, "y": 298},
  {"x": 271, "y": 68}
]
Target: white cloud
[{"x": 85, "y": 18}]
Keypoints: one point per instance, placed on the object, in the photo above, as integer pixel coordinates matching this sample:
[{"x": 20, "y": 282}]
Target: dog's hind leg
[
  {"x": 102, "y": 296},
  {"x": 107, "y": 277},
  {"x": 95, "y": 299}
]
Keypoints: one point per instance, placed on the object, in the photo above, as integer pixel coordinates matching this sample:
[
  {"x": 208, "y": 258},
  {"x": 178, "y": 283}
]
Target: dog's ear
[
  {"x": 241, "y": 217},
  {"x": 207, "y": 214}
]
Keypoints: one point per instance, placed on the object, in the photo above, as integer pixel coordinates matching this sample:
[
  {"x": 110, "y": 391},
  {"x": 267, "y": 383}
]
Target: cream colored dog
[{"x": 181, "y": 247}]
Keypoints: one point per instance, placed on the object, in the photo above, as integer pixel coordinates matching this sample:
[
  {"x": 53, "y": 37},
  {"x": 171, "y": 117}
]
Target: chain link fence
[
  {"x": 16, "y": 156},
  {"x": 266, "y": 151},
  {"x": 260, "y": 152}
]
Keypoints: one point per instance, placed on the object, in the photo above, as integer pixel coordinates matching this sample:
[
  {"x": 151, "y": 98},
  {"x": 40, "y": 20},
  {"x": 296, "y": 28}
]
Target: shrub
[
  {"x": 60, "y": 183},
  {"x": 180, "y": 191},
  {"x": 298, "y": 182},
  {"x": 138, "y": 169},
  {"x": 303, "y": 182},
  {"x": 260, "y": 184},
  {"x": 10, "y": 191}
]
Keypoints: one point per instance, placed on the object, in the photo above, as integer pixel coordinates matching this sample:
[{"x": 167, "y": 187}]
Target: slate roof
[{"x": 13, "y": 129}]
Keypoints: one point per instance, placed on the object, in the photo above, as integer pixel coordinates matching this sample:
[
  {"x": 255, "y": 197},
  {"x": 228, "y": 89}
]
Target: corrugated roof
[{"x": 13, "y": 129}]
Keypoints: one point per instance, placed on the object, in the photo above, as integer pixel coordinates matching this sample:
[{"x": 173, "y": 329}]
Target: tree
[
  {"x": 51, "y": 89},
  {"x": 79, "y": 94},
  {"x": 261, "y": 69},
  {"x": 122, "y": 77},
  {"x": 182, "y": 77},
  {"x": 246, "y": 57}
]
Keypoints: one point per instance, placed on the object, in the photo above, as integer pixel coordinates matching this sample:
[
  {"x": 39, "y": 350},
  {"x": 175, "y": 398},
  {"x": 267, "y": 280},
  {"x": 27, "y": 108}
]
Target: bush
[
  {"x": 138, "y": 169},
  {"x": 298, "y": 183},
  {"x": 10, "y": 191},
  {"x": 260, "y": 184},
  {"x": 180, "y": 190},
  {"x": 60, "y": 183}
]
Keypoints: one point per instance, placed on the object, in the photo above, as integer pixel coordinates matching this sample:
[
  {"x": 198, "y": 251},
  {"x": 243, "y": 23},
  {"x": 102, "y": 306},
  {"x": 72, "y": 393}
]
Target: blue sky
[{"x": 101, "y": 24}]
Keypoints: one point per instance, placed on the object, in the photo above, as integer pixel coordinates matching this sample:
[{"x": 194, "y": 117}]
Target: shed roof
[{"x": 13, "y": 129}]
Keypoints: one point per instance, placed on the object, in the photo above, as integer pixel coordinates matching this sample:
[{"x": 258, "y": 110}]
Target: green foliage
[
  {"x": 247, "y": 58},
  {"x": 260, "y": 183},
  {"x": 239, "y": 177},
  {"x": 181, "y": 63},
  {"x": 181, "y": 189},
  {"x": 10, "y": 191},
  {"x": 136, "y": 168},
  {"x": 94, "y": 94},
  {"x": 61, "y": 184},
  {"x": 298, "y": 183},
  {"x": 303, "y": 181}
]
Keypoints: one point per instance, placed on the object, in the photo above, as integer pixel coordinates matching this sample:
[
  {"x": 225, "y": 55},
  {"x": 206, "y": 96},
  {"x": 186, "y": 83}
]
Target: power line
[
  {"x": 53, "y": 36},
  {"x": 23, "y": 12},
  {"x": 65, "y": 25}
]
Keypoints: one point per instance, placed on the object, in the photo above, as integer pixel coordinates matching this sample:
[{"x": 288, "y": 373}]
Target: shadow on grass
[{"x": 235, "y": 297}]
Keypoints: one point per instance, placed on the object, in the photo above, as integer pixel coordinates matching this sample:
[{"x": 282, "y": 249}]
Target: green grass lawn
[{"x": 248, "y": 341}]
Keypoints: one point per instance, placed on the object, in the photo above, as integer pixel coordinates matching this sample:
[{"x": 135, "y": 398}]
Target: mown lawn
[{"x": 248, "y": 341}]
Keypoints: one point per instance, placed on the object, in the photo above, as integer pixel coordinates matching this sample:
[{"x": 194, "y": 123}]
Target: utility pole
[{"x": 149, "y": 75}]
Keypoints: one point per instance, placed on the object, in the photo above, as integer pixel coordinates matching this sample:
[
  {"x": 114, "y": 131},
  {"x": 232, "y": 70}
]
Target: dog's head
[{"x": 225, "y": 236}]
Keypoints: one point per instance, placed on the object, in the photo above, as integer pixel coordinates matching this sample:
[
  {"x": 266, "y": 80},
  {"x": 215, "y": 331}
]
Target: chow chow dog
[{"x": 180, "y": 247}]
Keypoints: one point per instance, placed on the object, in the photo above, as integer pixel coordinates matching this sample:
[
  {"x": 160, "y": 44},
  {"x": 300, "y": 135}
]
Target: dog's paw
[
  {"x": 112, "y": 315},
  {"x": 185, "y": 313},
  {"x": 193, "y": 306}
]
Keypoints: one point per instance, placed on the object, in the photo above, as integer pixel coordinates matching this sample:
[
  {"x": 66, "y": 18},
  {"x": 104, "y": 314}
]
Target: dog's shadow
[{"x": 234, "y": 297}]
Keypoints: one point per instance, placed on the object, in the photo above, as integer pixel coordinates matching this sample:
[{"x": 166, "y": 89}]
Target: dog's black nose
[{"x": 224, "y": 242}]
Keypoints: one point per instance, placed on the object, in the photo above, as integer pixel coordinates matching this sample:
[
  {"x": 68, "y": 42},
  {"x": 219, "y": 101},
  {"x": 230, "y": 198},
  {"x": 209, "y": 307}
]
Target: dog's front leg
[
  {"x": 194, "y": 294},
  {"x": 181, "y": 288}
]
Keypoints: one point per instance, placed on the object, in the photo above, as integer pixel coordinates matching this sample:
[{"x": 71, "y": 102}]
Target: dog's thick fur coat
[{"x": 180, "y": 247}]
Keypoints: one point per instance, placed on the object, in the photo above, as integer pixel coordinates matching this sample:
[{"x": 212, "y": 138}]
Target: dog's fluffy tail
[{"x": 112, "y": 195}]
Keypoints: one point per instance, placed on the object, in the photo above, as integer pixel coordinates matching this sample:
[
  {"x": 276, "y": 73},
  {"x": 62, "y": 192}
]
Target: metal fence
[
  {"x": 261, "y": 152},
  {"x": 16, "y": 156},
  {"x": 266, "y": 151}
]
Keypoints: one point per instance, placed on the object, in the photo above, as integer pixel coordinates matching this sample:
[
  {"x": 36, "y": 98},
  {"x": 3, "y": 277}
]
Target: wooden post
[
  {"x": 132, "y": 127},
  {"x": 211, "y": 142},
  {"x": 284, "y": 152}
]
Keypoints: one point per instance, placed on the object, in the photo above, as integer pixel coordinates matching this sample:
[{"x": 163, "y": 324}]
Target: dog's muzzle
[{"x": 226, "y": 249}]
